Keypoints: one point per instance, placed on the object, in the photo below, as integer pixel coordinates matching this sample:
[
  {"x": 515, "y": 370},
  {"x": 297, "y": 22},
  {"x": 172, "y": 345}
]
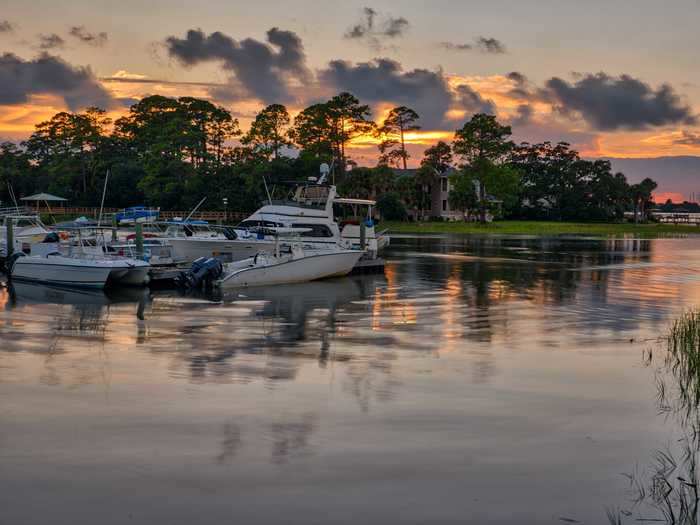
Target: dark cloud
[
  {"x": 368, "y": 28},
  {"x": 688, "y": 138},
  {"x": 260, "y": 70},
  {"x": 517, "y": 77},
  {"x": 395, "y": 27},
  {"x": 371, "y": 15},
  {"x": 364, "y": 27},
  {"x": 451, "y": 46},
  {"x": 383, "y": 80},
  {"x": 47, "y": 74},
  {"x": 472, "y": 102},
  {"x": 490, "y": 45},
  {"x": 356, "y": 31},
  {"x": 610, "y": 103},
  {"x": 522, "y": 90},
  {"x": 52, "y": 41},
  {"x": 523, "y": 115},
  {"x": 92, "y": 39},
  {"x": 6, "y": 26},
  {"x": 483, "y": 44}
]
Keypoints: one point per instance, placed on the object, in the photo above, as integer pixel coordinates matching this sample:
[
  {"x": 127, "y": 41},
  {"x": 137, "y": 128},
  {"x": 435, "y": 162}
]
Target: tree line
[{"x": 171, "y": 152}]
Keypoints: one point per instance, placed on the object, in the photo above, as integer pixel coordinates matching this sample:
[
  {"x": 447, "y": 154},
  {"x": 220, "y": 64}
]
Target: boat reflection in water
[{"x": 24, "y": 293}]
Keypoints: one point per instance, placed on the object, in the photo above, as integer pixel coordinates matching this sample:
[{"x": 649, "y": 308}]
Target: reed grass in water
[
  {"x": 670, "y": 484},
  {"x": 683, "y": 358}
]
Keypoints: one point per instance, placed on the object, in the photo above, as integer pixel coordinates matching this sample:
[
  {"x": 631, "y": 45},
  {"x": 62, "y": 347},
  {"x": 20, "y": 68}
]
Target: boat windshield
[{"x": 310, "y": 196}]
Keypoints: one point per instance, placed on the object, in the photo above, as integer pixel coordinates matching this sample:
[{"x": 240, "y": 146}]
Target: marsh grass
[
  {"x": 670, "y": 483},
  {"x": 683, "y": 359}
]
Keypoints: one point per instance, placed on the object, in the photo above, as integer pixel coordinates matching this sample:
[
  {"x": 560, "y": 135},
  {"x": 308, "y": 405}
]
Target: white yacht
[{"x": 311, "y": 208}]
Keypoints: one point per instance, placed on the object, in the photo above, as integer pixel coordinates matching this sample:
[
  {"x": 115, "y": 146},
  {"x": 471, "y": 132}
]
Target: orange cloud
[{"x": 644, "y": 144}]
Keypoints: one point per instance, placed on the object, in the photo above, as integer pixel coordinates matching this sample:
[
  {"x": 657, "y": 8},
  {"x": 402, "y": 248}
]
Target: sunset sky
[{"x": 615, "y": 78}]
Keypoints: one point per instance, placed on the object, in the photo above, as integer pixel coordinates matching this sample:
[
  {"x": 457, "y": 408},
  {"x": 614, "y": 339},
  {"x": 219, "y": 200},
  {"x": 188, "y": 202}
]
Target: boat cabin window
[
  {"x": 260, "y": 224},
  {"x": 317, "y": 230}
]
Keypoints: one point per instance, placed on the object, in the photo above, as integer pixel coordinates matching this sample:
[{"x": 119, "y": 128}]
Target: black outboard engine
[
  {"x": 10, "y": 262},
  {"x": 204, "y": 272}
]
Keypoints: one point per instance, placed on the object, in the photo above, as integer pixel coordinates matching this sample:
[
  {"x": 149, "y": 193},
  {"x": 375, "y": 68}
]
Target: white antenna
[
  {"x": 12, "y": 194},
  {"x": 269, "y": 199},
  {"x": 325, "y": 170},
  {"x": 102, "y": 204},
  {"x": 195, "y": 209}
]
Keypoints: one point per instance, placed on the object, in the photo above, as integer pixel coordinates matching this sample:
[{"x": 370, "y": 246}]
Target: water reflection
[
  {"x": 437, "y": 296},
  {"x": 472, "y": 366}
]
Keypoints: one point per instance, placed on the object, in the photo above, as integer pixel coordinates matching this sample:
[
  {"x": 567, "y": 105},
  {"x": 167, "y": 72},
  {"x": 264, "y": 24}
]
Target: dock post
[
  {"x": 114, "y": 227},
  {"x": 363, "y": 235},
  {"x": 10, "y": 237},
  {"x": 139, "y": 239}
]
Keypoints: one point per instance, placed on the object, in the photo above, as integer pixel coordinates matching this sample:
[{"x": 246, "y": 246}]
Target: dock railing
[
  {"x": 212, "y": 216},
  {"x": 16, "y": 210}
]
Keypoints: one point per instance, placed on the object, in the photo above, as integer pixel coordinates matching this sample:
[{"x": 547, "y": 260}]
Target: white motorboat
[
  {"x": 289, "y": 264},
  {"x": 89, "y": 244},
  {"x": 54, "y": 268},
  {"x": 46, "y": 263},
  {"x": 27, "y": 229},
  {"x": 191, "y": 240}
]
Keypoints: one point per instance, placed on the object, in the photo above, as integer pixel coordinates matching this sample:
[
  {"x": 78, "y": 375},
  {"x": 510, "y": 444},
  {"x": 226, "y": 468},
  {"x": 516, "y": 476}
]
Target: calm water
[{"x": 477, "y": 381}]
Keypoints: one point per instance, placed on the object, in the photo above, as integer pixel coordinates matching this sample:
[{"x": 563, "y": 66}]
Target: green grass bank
[{"x": 541, "y": 228}]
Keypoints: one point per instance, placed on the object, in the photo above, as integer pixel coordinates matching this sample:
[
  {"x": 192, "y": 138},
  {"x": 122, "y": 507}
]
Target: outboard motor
[
  {"x": 204, "y": 272},
  {"x": 10, "y": 262}
]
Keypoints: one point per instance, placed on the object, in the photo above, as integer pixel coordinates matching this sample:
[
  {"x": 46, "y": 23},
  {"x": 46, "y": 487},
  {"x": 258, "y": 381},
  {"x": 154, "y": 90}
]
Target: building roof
[{"x": 42, "y": 197}]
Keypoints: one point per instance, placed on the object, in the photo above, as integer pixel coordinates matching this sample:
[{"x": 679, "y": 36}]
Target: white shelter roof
[{"x": 43, "y": 197}]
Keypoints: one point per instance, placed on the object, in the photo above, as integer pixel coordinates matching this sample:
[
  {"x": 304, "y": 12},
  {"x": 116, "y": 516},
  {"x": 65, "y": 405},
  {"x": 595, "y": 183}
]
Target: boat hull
[
  {"x": 132, "y": 276},
  {"x": 60, "y": 271},
  {"x": 309, "y": 268},
  {"x": 189, "y": 249}
]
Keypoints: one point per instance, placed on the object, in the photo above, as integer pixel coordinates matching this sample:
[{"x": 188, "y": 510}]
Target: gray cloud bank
[
  {"x": 276, "y": 71},
  {"x": 47, "y": 74},
  {"x": 262, "y": 70},
  {"x": 610, "y": 103}
]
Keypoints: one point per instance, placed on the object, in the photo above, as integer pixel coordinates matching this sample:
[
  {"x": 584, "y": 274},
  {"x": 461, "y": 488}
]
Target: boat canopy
[{"x": 363, "y": 202}]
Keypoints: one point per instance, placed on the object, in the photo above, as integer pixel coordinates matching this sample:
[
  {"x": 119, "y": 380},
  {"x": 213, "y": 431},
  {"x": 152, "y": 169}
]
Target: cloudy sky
[{"x": 617, "y": 78}]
